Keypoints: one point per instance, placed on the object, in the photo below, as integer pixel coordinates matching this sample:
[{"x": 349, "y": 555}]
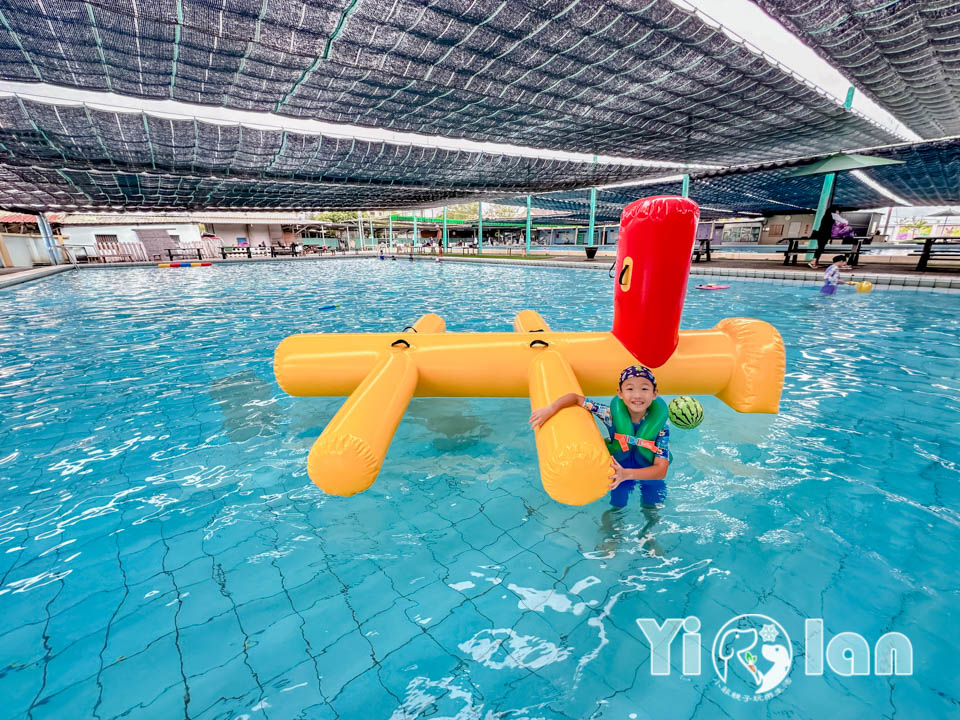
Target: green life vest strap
[{"x": 653, "y": 422}]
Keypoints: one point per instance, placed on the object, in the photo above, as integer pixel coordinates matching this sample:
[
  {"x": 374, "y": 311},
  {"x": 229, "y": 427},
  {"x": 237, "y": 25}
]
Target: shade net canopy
[
  {"x": 929, "y": 175},
  {"x": 94, "y": 157},
  {"x": 34, "y": 189},
  {"x": 640, "y": 79},
  {"x": 904, "y": 54}
]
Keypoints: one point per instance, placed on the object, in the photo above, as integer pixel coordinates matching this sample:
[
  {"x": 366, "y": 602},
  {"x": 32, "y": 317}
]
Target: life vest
[{"x": 636, "y": 456}]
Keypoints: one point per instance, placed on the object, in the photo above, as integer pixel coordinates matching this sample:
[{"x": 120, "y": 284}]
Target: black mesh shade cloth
[
  {"x": 99, "y": 157},
  {"x": 30, "y": 189},
  {"x": 904, "y": 54},
  {"x": 641, "y": 79},
  {"x": 929, "y": 175}
]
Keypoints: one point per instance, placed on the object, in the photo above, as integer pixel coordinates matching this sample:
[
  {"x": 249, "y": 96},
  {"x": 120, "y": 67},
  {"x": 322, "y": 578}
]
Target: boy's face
[{"x": 637, "y": 394}]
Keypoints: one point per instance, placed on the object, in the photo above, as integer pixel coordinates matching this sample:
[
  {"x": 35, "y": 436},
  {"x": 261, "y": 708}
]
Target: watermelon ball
[{"x": 685, "y": 412}]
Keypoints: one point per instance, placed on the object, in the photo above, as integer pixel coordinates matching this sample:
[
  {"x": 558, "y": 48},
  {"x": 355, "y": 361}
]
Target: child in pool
[
  {"x": 831, "y": 278},
  {"x": 638, "y": 388}
]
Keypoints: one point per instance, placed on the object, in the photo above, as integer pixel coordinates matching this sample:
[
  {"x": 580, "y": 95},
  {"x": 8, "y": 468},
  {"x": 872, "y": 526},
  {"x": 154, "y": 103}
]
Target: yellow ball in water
[{"x": 864, "y": 286}]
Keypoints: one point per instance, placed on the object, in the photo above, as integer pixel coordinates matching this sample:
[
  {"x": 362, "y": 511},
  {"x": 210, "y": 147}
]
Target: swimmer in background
[{"x": 831, "y": 277}]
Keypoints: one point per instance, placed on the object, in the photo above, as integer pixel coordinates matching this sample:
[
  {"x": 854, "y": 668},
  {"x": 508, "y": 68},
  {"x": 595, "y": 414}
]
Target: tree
[
  {"x": 491, "y": 211},
  {"x": 339, "y": 216}
]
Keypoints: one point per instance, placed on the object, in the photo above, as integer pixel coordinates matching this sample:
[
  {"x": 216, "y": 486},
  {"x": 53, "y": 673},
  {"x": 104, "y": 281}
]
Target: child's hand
[
  {"x": 539, "y": 417},
  {"x": 619, "y": 473}
]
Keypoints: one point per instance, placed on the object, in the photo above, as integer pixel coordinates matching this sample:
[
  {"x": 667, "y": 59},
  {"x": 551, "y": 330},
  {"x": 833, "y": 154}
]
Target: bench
[
  {"x": 283, "y": 250},
  {"x": 176, "y": 254},
  {"x": 78, "y": 253},
  {"x": 107, "y": 249},
  {"x": 235, "y": 251},
  {"x": 702, "y": 248},
  {"x": 942, "y": 253},
  {"x": 852, "y": 251}
]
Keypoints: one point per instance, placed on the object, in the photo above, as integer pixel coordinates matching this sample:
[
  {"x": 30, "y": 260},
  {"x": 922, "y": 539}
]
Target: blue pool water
[{"x": 163, "y": 553}]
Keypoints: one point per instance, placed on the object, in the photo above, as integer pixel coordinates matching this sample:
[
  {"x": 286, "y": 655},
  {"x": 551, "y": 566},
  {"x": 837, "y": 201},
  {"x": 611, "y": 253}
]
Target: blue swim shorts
[{"x": 652, "y": 492}]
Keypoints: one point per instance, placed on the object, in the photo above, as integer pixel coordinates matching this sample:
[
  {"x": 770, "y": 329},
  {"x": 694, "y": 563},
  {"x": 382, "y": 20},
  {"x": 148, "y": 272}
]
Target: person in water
[
  {"x": 629, "y": 465},
  {"x": 831, "y": 278}
]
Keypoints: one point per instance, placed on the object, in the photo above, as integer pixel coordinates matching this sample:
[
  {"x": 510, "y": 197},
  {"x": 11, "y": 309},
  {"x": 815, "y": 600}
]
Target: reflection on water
[
  {"x": 247, "y": 404},
  {"x": 455, "y": 429},
  {"x": 156, "y": 520},
  {"x": 615, "y": 530}
]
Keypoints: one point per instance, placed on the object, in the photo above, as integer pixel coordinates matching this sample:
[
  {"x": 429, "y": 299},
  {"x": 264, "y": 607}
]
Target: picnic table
[
  {"x": 944, "y": 253},
  {"x": 852, "y": 251},
  {"x": 702, "y": 248}
]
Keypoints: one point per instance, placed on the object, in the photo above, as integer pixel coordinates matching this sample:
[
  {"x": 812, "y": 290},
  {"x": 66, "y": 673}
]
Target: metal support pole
[
  {"x": 826, "y": 197},
  {"x": 685, "y": 188},
  {"x": 360, "y": 223},
  {"x": 848, "y": 103},
  {"x": 391, "y": 231},
  {"x": 416, "y": 239},
  {"x": 593, "y": 215},
  {"x": 444, "y": 228},
  {"x": 46, "y": 232},
  {"x": 528, "y": 225},
  {"x": 821, "y": 221},
  {"x": 479, "y": 228}
]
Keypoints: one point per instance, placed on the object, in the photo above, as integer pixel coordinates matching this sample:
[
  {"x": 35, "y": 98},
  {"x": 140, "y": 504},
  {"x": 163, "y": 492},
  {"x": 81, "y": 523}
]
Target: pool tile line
[
  {"x": 38, "y": 273},
  {"x": 936, "y": 283},
  {"x": 933, "y": 283}
]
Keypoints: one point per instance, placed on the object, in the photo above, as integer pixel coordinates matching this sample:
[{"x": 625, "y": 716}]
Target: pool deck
[
  {"x": 885, "y": 272},
  {"x": 883, "y": 275}
]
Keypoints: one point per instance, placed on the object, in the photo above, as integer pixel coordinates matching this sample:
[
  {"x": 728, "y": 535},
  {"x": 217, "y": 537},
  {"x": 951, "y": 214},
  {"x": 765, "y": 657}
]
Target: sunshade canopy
[
  {"x": 841, "y": 163},
  {"x": 904, "y": 54}
]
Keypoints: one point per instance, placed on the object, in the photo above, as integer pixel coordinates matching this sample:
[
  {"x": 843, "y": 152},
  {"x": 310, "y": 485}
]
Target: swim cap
[{"x": 638, "y": 371}]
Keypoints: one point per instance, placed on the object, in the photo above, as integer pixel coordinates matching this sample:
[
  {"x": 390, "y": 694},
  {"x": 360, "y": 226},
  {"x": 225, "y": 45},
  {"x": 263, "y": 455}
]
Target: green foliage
[
  {"x": 491, "y": 211},
  {"x": 338, "y": 216}
]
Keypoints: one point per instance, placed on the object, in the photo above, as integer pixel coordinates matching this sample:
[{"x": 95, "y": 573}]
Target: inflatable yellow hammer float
[{"x": 740, "y": 361}]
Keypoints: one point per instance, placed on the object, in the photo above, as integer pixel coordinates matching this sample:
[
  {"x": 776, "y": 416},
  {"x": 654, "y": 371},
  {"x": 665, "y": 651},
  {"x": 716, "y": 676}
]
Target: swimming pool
[{"x": 163, "y": 554}]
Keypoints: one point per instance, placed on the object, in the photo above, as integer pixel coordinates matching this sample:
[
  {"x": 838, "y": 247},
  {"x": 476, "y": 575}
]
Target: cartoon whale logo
[
  {"x": 780, "y": 657},
  {"x": 752, "y": 655}
]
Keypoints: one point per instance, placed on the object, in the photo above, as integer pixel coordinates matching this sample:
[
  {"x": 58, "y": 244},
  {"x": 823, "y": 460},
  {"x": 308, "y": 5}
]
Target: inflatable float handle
[{"x": 569, "y": 444}]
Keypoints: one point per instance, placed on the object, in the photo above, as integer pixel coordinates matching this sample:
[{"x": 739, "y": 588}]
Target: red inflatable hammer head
[{"x": 653, "y": 262}]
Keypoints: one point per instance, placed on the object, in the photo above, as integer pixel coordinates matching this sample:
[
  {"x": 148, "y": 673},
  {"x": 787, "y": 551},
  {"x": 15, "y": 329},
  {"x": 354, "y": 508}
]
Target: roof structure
[
  {"x": 61, "y": 155},
  {"x": 929, "y": 175},
  {"x": 25, "y": 219},
  {"x": 904, "y": 54},
  {"x": 643, "y": 80}
]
